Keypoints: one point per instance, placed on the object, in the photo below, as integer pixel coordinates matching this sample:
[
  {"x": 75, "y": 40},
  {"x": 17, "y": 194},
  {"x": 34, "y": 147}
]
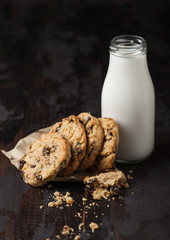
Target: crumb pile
[
  {"x": 103, "y": 185},
  {"x": 59, "y": 198}
]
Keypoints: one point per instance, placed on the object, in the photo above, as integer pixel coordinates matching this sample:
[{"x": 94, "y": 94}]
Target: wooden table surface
[{"x": 53, "y": 60}]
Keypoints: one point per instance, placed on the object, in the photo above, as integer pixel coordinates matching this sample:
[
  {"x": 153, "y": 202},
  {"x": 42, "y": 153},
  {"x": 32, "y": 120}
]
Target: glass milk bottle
[{"x": 128, "y": 97}]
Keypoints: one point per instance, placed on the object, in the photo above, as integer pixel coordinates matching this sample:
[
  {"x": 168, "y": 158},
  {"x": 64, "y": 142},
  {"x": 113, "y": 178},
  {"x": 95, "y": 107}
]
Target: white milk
[{"x": 128, "y": 97}]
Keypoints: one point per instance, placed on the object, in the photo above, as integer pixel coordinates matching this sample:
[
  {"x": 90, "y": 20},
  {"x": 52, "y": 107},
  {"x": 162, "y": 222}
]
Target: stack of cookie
[{"x": 77, "y": 143}]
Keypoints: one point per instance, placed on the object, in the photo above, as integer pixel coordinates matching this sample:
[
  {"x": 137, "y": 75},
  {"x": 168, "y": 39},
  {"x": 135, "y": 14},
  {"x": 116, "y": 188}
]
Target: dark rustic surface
[{"x": 53, "y": 59}]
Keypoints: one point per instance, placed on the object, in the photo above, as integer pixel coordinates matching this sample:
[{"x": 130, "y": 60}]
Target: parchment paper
[{"x": 19, "y": 151}]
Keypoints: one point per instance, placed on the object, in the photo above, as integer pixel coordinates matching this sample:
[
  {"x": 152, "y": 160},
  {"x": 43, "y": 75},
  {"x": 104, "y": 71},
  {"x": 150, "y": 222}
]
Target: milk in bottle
[{"x": 128, "y": 97}]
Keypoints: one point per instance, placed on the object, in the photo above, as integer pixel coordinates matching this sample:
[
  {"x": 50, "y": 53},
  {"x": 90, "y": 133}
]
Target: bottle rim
[{"x": 128, "y": 45}]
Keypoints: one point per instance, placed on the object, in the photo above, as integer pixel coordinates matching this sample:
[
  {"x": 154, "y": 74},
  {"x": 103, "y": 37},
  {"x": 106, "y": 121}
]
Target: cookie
[
  {"x": 73, "y": 131},
  {"x": 95, "y": 138},
  {"x": 107, "y": 155},
  {"x": 105, "y": 184},
  {"x": 47, "y": 155}
]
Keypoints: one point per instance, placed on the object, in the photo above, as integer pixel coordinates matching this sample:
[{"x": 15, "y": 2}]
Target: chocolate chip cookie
[
  {"x": 72, "y": 130},
  {"x": 95, "y": 138},
  {"x": 107, "y": 155},
  {"x": 105, "y": 184},
  {"x": 47, "y": 155}
]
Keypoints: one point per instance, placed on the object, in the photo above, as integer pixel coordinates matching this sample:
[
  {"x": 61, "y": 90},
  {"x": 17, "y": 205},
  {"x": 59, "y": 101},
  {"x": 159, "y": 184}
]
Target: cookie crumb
[
  {"x": 67, "y": 230},
  {"x": 49, "y": 186},
  {"x": 79, "y": 214},
  {"x": 57, "y": 236},
  {"x": 126, "y": 185},
  {"x": 77, "y": 237},
  {"x": 80, "y": 226},
  {"x": 93, "y": 226},
  {"x": 69, "y": 200},
  {"x": 129, "y": 177},
  {"x": 41, "y": 206},
  {"x": 51, "y": 204}
]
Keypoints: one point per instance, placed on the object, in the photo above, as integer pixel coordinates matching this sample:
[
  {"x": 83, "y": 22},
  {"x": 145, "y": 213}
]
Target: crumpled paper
[{"x": 19, "y": 151}]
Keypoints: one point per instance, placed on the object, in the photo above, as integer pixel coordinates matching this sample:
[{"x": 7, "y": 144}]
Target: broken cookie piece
[
  {"x": 67, "y": 230},
  {"x": 105, "y": 184},
  {"x": 93, "y": 226}
]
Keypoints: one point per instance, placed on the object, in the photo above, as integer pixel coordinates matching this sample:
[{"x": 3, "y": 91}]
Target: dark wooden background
[{"x": 53, "y": 60}]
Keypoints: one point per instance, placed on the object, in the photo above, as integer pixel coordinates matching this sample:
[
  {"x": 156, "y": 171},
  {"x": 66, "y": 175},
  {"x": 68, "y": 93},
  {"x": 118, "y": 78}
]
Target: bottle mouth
[{"x": 127, "y": 45}]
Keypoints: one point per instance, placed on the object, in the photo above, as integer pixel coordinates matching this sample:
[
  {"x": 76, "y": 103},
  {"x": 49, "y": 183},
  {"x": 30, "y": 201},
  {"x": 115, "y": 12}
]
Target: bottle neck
[
  {"x": 140, "y": 58},
  {"x": 128, "y": 46},
  {"x": 126, "y": 65}
]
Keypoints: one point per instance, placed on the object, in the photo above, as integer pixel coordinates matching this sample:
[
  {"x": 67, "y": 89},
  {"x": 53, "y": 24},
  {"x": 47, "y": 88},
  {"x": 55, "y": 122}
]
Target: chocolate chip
[
  {"x": 92, "y": 180},
  {"x": 88, "y": 189},
  {"x": 115, "y": 189},
  {"x": 39, "y": 177},
  {"x": 88, "y": 119},
  {"x": 22, "y": 162},
  {"x": 69, "y": 119},
  {"x": 78, "y": 149},
  {"x": 33, "y": 165},
  {"x": 57, "y": 129},
  {"x": 89, "y": 129},
  {"x": 46, "y": 151},
  {"x": 63, "y": 164},
  {"x": 93, "y": 147}
]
